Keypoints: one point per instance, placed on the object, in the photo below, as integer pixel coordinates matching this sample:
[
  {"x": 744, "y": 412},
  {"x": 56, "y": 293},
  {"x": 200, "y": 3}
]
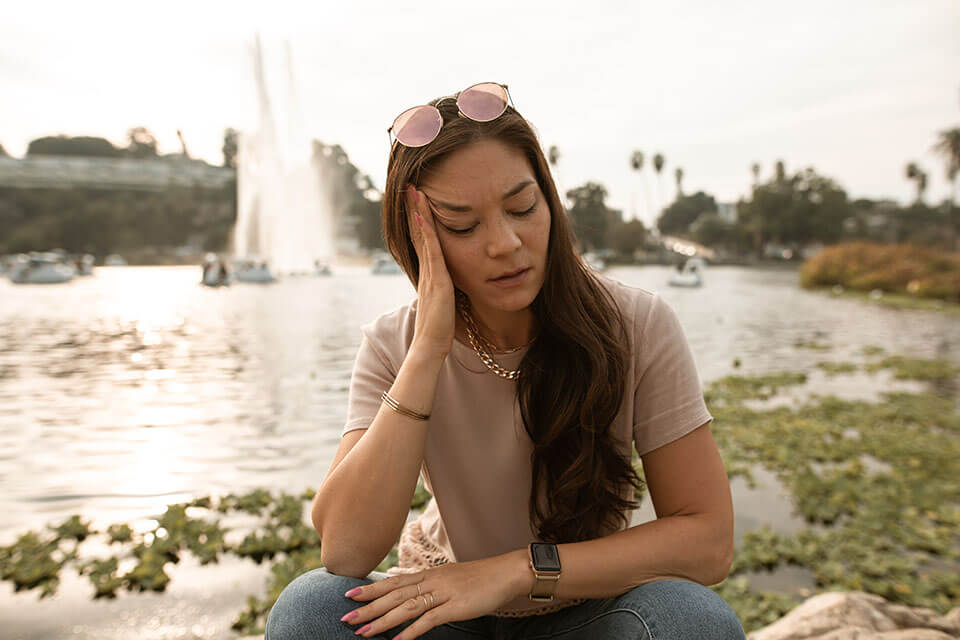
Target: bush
[{"x": 898, "y": 268}]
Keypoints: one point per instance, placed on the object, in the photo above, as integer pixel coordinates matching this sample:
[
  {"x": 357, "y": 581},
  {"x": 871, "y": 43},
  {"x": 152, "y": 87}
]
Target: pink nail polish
[
  {"x": 352, "y": 592},
  {"x": 362, "y": 630},
  {"x": 349, "y": 616}
]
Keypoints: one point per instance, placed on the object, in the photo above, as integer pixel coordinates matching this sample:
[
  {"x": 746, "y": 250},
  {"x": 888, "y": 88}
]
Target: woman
[{"x": 517, "y": 383}]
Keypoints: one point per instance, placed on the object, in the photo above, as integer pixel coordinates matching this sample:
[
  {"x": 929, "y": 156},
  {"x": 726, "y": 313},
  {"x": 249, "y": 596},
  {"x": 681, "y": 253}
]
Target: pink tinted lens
[
  {"x": 417, "y": 126},
  {"x": 483, "y": 102}
]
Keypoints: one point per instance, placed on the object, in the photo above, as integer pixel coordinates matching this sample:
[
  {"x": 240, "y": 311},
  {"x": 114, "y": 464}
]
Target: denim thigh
[
  {"x": 660, "y": 610},
  {"x": 310, "y": 608}
]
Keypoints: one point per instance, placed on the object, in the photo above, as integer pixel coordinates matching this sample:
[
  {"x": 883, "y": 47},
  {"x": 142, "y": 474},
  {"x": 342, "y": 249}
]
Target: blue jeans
[{"x": 311, "y": 606}]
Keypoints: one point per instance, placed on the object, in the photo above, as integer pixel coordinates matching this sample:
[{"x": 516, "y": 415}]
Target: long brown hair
[{"x": 572, "y": 377}]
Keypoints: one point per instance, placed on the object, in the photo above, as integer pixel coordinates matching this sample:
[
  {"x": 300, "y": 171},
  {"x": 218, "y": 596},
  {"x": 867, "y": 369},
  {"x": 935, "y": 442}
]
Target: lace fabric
[{"x": 417, "y": 553}]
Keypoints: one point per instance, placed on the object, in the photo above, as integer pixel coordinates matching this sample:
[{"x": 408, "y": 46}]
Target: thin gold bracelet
[{"x": 399, "y": 408}]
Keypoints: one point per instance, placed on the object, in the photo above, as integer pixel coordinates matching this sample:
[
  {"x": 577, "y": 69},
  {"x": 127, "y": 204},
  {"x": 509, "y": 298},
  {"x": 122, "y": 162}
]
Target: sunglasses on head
[{"x": 418, "y": 126}]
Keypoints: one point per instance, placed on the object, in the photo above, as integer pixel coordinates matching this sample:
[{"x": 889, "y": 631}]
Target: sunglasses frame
[{"x": 393, "y": 139}]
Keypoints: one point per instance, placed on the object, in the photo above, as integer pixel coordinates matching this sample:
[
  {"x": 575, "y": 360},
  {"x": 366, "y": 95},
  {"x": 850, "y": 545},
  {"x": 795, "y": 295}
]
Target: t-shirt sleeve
[
  {"x": 668, "y": 401},
  {"x": 373, "y": 373}
]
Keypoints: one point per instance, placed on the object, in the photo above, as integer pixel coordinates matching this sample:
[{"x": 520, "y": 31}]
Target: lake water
[{"x": 137, "y": 388}]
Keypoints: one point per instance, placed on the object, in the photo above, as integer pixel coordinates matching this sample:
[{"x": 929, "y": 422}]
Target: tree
[
  {"x": 627, "y": 237},
  {"x": 918, "y": 175},
  {"x": 755, "y": 170},
  {"x": 231, "y": 138},
  {"x": 636, "y": 163},
  {"x": 590, "y": 216},
  {"x": 553, "y": 155},
  {"x": 678, "y": 174},
  {"x": 780, "y": 170},
  {"x": 798, "y": 210},
  {"x": 3, "y": 152},
  {"x": 351, "y": 193},
  {"x": 141, "y": 143},
  {"x": 76, "y": 146},
  {"x": 658, "y": 162},
  {"x": 948, "y": 146},
  {"x": 677, "y": 218}
]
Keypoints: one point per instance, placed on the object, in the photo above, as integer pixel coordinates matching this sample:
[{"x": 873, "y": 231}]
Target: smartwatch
[{"x": 545, "y": 564}]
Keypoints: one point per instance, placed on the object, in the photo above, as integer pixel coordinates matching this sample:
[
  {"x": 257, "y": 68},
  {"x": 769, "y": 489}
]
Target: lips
[{"x": 508, "y": 274}]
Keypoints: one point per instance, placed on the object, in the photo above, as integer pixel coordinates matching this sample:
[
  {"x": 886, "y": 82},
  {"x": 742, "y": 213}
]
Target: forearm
[
  {"x": 362, "y": 505},
  {"x": 680, "y": 547}
]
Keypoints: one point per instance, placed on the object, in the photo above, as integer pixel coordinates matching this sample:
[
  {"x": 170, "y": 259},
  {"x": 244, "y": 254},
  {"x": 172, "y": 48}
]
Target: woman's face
[{"x": 491, "y": 219}]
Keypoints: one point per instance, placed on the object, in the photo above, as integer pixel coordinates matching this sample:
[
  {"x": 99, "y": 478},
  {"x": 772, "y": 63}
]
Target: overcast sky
[{"x": 855, "y": 89}]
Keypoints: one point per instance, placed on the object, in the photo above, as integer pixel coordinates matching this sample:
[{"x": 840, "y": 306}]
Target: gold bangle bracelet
[{"x": 399, "y": 408}]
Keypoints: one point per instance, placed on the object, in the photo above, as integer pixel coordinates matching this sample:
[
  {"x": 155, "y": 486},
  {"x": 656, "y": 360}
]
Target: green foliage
[
  {"x": 627, "y": 237},
  {"x": 230, "y": 148},
  {"x": 879, "y": 484},
  {"x": 73, "y": 146},
  {"x": 711, "y": 230},
  {"x": 351, "y": 192},
  {"x": 590, "y": 216},
  {"x": 801, "y": 209},
  {"x": 902, "y": 269},
  {"x": 104, "y": 221},
  {"x": 837, "y": 368},
  {"x": 141, "y": 143},
  {"x": 677, "y": 218}
]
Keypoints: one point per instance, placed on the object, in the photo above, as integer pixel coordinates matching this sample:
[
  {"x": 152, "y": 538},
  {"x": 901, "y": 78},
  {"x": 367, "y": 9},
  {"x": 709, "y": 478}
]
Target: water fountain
[{"x": 284, "y": 218}]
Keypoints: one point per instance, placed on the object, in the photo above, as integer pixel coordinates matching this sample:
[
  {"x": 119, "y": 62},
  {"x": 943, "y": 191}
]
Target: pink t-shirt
[{"x": 477, "y": 457}]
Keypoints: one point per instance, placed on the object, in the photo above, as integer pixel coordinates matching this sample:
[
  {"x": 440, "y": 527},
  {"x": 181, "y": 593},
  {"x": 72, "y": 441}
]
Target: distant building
[
  {"x": 727, "y": 211},
  {"x": 153, "y": 174}
]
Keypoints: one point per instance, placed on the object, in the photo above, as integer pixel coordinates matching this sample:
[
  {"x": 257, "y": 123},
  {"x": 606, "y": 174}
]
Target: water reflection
[{"x": 138, "y": 387}]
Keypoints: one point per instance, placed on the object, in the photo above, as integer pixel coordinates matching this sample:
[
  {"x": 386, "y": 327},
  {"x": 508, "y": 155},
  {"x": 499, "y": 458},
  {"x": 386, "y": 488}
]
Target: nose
[{"x": 502, "y": 238}]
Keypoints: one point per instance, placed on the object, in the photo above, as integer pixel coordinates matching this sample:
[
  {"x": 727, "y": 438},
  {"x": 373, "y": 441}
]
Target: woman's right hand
[{"x": 436, "y": 304}]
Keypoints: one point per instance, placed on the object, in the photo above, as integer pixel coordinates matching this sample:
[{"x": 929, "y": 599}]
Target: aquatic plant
[{"x": 877, "y": 483}]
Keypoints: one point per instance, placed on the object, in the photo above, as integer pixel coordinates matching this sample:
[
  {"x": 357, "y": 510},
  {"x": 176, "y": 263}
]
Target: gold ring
[
  {"x": 431, "y": 600},
  {"x": 419, "y": 592},
  {"x": 425, "y": 605}
]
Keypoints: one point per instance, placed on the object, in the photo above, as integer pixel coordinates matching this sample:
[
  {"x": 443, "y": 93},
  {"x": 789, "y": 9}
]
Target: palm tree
[
  {"x": 918, "y": 175},
  {"x": 781, "y": 171},
  {"x": 658, "y": 162},
  {"x": 948, "y": 145},
  {"x": 636, "y": 163},
  {"x": 553, "y": 157},
  {"x": 678, "y": 174}
]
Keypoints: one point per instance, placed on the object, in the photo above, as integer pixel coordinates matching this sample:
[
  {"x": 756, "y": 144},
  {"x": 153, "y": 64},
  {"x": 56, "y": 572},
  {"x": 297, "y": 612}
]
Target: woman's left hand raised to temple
[{"x": 460, "y": 591}]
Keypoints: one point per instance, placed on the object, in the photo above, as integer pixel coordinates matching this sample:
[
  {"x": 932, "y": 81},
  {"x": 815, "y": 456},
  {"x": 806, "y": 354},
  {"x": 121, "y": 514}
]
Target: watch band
[{"x": 545, "y": 565}]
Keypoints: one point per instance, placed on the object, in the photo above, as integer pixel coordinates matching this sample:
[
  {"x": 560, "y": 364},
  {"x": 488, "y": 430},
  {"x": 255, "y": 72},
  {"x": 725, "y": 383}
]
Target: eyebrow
[{"x": 465, "y": 208}]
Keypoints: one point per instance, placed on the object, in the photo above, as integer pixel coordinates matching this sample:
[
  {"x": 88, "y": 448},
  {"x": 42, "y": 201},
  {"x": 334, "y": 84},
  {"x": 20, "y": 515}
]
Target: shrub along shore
[
  {"x": 909, "y": 271},
  {"x": 877, "y": 483}
]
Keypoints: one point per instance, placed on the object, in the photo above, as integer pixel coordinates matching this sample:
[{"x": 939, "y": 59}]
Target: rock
[{"x": 860, "y": 616}]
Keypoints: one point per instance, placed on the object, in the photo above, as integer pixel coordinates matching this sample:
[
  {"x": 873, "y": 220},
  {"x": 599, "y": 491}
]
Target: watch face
[{"x": 545, "y": 556}]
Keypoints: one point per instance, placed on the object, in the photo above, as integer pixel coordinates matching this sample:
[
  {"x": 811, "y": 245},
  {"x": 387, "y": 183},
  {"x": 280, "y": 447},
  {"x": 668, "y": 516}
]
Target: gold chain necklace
[{"x": 481, "y": 345}]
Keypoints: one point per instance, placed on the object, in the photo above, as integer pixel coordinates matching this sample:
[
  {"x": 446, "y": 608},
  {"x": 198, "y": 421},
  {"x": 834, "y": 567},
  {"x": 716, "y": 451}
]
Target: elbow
[
  {"x": 720, "y": 566},
  {"x": 344, "y": 565}
]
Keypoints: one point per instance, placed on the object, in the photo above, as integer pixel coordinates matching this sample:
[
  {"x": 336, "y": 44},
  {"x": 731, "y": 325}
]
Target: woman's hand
[
  {"x": 450, "y": 592},
  {"x": 435, "y": 293}
]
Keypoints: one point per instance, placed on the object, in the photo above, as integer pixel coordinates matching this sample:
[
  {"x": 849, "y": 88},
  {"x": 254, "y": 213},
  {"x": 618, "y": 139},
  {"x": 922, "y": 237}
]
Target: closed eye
[{"x": 519, "y": 214}]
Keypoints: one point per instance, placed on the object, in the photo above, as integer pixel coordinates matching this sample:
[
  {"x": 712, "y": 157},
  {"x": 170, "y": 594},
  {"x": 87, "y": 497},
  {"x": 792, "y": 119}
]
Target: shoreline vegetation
[
  {"x": 897, "y": 275},
  {"x": 878, "y": 485}
]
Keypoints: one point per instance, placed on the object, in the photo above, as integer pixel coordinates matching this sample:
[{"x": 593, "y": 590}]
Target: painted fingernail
[
  {"x": 419, "y": 219},
  {"x": 349, "y": 616},
  {"x": 397, "y": 637},
  {"x": 362, "y": 630},
  {"x": 352, "y": 592}
]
